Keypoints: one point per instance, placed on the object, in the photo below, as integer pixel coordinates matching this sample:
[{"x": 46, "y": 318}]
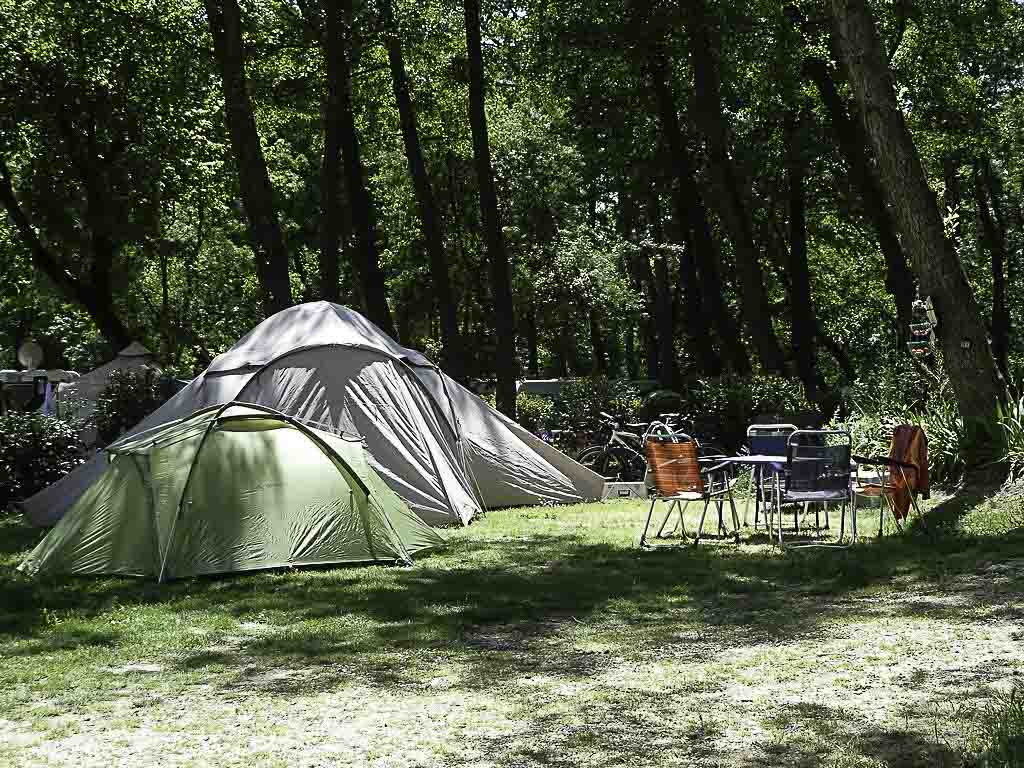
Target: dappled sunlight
[{"x": 581, "y": 635}]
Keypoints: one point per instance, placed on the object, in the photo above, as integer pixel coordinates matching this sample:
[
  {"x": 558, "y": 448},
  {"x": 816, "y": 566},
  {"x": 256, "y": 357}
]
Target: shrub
[
  {"x": 729, "y": 404},
  {"x": 1013, "y": 427},
  {"x": 35, "y": 450},
  {"x": 534, "y": 412},
  {"x": 581, "y": 401},
  {"x": 1001, "y": 732},
  {"x": 872, "y": 434},
  {"x": 130, "y": 396}
]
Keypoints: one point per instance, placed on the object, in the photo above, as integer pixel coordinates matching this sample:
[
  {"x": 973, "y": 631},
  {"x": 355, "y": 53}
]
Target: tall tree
[
  {"x": 801, "y": 302},
  {"x": 332, "y": 213},
  {"x": 338, "y": 52},
  {"x": 732, "y": 209},
  {"x": 702, "y": 253},
  {"x": 854, "y": 145},
  {"x": 697, "y": 316},
  {"x": 426, "y": 202},
  {"x": 91, "y": 287},
  {"x": 224, "y": 18},
  {"x": 995, "y": 239},
  {"x": 966, "y": 353},
  {"x": 661, "y": 289},
  {"x": 501, "y": 284}
]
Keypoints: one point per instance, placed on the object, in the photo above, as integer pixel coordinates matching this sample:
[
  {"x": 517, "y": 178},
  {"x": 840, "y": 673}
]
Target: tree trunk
[
  {"x": 731, "y": 207},
  {"x": 996, "y": 242},
  {"x": 632, "y": 370},
  {"x": 699, "y": 306},
  {"x": 966, "y": 354},
  {"x": 426, "y": 201},
  {"x": 800, "y": 300},
  {"x": 331, "y": 209},
  {"x": 501, "y": 286},
  {"x": 364, "y": 218},
  {"x": 531, "y": 341},
  {"x": 257, "y": 193},
  {"x": 94, "y": 296},
  {"x": 854, "y": 145},
  {"x": 664, "y": 319},
  {"x": 598, "y": 346},
  {"x": 639, "y": 267},
  {"x": 690, "y": 208}
]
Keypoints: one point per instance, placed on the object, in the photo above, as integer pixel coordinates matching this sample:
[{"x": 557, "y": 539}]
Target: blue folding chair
[
  {"x": 765, "y": 440},
  {"x": 818, "y": 470}
]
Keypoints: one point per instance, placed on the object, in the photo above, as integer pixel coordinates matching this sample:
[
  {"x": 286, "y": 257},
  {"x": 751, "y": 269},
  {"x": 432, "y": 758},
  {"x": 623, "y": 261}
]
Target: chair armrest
[
  {"x": 885, "y": 460},
  {"x": 716, "y": 468}
]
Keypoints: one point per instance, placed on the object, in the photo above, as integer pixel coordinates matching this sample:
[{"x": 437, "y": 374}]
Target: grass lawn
[{"x": 538, "y": 637}]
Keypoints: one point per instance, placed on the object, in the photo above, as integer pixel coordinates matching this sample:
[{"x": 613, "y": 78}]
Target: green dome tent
[{"x": 234, "y": 487}]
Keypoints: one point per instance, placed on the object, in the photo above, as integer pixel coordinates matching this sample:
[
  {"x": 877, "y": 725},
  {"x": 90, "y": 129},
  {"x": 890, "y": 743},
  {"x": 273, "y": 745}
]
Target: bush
[
  {"x": 940, "y": 419},
  {"x": 1013, "y": 427},
  {"x": 35, "y": 450},
  {"x": 130, "y": 396},
  {"x": 727, "y": 405},
  {"x": 534, "y": 412},
  {"x": 582, "y": 400},
  {"x": 1000, "y": 739}
]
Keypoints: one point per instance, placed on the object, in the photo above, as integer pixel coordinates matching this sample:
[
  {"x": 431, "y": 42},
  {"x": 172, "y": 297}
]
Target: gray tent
[{"x": 438, "y": 446}]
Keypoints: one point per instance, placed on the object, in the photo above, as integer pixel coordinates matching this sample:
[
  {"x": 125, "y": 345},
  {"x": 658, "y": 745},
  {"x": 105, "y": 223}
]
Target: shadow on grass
[
  {"x": 494, "y": 606},
  {"x": 810, "y": 734}
]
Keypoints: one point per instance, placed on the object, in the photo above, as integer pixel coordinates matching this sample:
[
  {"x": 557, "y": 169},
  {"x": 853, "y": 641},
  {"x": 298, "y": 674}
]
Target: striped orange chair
[{"x": 681, "y": 476}]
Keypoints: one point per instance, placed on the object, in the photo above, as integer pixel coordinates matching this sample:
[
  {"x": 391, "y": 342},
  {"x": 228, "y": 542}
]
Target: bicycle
[{"x": 622, "y": 457}]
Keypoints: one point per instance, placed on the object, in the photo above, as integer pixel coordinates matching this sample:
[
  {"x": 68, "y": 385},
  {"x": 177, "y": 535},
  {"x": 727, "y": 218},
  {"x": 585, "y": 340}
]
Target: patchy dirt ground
[{"x": 540, "y": 638}]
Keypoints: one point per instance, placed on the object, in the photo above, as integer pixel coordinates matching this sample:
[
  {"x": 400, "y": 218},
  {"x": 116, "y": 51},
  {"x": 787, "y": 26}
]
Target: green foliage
[
  {"x": 582, "y": 400},
  {"x": 1012, "y": 424},
  {"x": 895, "y": 382},
  {"x": 130, "y": 395},
  {"x": 727, "y": 405},
  {"x": 1000, "y": 735},
  {"x": 35, "y": 450},
  {"x": 534, "y": 412},
  {"x": 948, "y": 448}
]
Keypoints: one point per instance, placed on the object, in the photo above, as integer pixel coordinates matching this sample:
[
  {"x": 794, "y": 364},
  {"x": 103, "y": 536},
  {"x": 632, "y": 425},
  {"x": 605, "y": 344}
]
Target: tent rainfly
[
  {"x": 437, "y": 445},
  {"x": 231, "y": 488}
]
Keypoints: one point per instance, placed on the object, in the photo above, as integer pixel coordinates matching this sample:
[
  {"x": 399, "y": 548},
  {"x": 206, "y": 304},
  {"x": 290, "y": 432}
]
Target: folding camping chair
[
  {"x": 900, "y": 477},
  {"x": 681, "y": 476},
  {"x": 765, "y": 439},
  {"x": 817, "y": 472}
]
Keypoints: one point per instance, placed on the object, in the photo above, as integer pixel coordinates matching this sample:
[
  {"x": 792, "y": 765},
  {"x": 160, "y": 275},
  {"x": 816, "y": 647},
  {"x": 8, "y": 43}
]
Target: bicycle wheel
[
  {"x": 635, "y": 467},
  {"x": 610, "y": 463}
]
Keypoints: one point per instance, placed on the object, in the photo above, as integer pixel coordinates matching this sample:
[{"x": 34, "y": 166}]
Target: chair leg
[
  {"x": 735, "y": 517},
  {"x": 700, "y": 528},
  {"x": 842, "y": 520},
  {"x": 755, "y": 479},
  {"x": 853, "y": 519},
  {"x": 643, "y": 536},
  {"x": 682, "y": 522},
  {"x": 917, "y": 509},
  {"x": 664, "y": 522},
  {"x": 777, "y": 490}
]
